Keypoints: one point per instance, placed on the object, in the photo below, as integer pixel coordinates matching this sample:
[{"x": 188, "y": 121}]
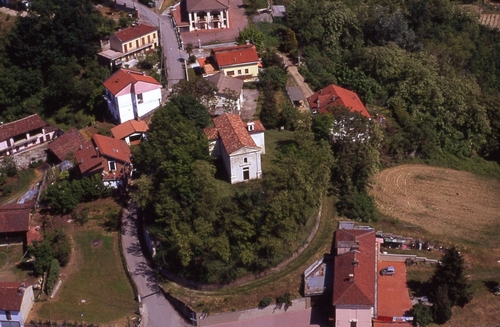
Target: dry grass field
[{"x": 448, "y": 207}]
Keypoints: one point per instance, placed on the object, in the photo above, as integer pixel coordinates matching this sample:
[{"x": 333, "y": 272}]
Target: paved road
[
  {"x": 174, "y": 57},
  {"x": 157, "y": 311}
]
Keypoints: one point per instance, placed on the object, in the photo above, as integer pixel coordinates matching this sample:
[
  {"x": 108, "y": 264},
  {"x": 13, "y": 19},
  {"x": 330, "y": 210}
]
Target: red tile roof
[
  {"x": 206, "y": 5},
  {"x": 257, "y": 127},
  {"x": 354, "y": 271},
  {"x": 21, "y": 126},
  {"x": 113, "y": 148},
  {"x": 14, "y": 219},
  {"x": 236, "y": 55},
  {"x": 333, "y": 95},
  {"x": 211, "y": 133},
  {"x": 124, "y": 77},
  {"x": 393, "y": 295},
  {"x": 131, "y": 33},
  {"x": 10, "y": 296},
  {"x": 128, "y": 128},
  {"x": 34, "y": 234},
  {"x": 88, "y": 159},
  {"x": 232, "y": 132},
  {"x": 66, "y": 143},
  {"x": 91, "y": 161}
]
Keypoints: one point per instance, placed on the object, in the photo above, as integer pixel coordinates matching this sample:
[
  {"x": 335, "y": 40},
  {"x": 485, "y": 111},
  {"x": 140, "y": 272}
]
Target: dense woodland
[{"x": 48, "y": 63}]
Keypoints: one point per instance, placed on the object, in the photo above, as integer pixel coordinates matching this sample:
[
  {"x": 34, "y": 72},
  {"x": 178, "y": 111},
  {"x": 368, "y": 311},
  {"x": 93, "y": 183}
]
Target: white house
[
  {"x": 240, "y": 146},
  {"x": 16, "y": 302},
  {"x": 131, "y": 94},
  {"x": 24, "y": 133},
  {"x": 229, "y": 93}
]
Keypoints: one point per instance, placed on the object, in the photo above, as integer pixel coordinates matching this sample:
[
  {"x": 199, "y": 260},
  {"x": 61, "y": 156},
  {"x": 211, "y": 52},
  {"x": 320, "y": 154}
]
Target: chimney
[
  {"x": 247, "y": 42},
  {"x": 81, "y": 147},
  {"x": 351, "y": 277},
  {"x": 250, "y": 126},
  {"x": 355, "y": 262},
  {"x": 97, "y": 151}
]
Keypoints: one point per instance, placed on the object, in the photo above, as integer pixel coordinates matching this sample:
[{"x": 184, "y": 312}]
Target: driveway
[{"x": 157, "y": 311}]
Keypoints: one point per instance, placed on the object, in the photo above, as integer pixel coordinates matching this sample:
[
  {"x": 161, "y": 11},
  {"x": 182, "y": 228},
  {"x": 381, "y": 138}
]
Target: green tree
[
  {"x": 253, "y": 35},
  {"x": 450, "y": 273},
  {"x": 200, "y": 88},
  {"x": 273, "y": 77},
  {"x": 290, "y": 42},
  {"x": 43, "y": 256},
  {"x": 192, "y": 109},
  {"x": 52, "y": 275},
  {"x": 442, "y": 306}
]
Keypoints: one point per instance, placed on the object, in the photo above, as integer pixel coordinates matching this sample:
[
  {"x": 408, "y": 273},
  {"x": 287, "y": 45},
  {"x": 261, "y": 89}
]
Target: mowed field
[
  {"x": 458, "y": 205},
  {"x": 448, "y": 207}
]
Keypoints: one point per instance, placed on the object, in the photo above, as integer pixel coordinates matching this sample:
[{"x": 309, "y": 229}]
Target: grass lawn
[
  {"x": 288, "y": 279},
  {"x": 21, "y": 185},
  {"x": 100, "y": 281}
]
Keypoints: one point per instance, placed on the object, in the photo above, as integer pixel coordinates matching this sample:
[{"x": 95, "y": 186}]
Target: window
[
  {"x": 125, "y": 46},
  {"x": 230, "y": 73},
  {"x": 112, "y": 165},
  {"x": 245, "y": 160},
  {"x": 143, "y": 41},
  {"x": 246, "y": 70},
  {"x": 8, "y": 315},
  {"x": 136, "y": 43},
  {"x": 154, "y": 35},
  {"x": 246, "y": 174},
  {"x": 140, "y": 98},
  {"x": 149, "y": 38},
  {"x": 354, "y": 324},
  {"x": 239, "y": 71}
]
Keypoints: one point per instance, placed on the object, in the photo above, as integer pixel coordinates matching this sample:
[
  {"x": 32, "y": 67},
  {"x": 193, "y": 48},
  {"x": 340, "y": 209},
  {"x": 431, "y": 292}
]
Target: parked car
[{"x": 388, "y": 271}]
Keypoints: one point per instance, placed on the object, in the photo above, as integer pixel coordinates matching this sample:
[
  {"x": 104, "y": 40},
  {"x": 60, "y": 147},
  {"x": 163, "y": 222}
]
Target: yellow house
[
  {"x": 240, "y": 61},
  {"x": 129, "y": 42}
]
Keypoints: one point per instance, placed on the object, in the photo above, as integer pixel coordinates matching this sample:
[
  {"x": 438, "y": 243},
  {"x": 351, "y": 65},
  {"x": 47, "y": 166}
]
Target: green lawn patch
[
  {"x": 23, "y": 182},
  {"x": 100, "y": 281}
]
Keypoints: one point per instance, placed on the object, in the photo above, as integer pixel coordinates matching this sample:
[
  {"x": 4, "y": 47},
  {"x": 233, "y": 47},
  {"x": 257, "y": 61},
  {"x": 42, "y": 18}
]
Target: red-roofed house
[
  {"x": 131, "y": 94},
  {"x": 239, "y": 144},
  {"x": 241, "y": 61},
  {"x": 334, "y": 95},
  {"x": 24, "y": 133},
  {"x": 355, "y": 277},
  {"x": 65, "y": 146},
  {"x": 106, "y": 156},
  {"x": 16, "y": 301},
  {"x": 130, "y": 42},
  {"x": 132, "y": 131},
  {"x": 14, "y": 223}
]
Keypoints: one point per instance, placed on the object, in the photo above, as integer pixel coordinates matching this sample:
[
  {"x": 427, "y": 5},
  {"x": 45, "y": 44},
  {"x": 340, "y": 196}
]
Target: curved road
[
  {"x": 157, "y": 311},
  {"x": 174, "y": 57}
]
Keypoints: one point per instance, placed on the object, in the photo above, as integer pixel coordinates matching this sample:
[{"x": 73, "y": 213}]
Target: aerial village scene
[{"x": 244, "y": 163}]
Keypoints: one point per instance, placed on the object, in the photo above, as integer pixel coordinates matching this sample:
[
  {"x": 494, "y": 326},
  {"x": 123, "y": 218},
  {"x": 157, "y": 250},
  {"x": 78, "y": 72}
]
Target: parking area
[{"x": 393, "y": 295}]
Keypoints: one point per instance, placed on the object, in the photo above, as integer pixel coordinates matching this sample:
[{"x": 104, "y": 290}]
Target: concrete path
[
  {"x": 293, "y": 71},
  {"x": 157, "y": 311},
  {"x": 312, "y": 317}
]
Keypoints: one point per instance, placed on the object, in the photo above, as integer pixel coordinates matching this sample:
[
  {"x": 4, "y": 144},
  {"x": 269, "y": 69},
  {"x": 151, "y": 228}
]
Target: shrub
[
  {"x": 265, "y": 302},
  {"x": 285, "y": 299},
  {"x": 52, "y": 275},
  {"x": 422, "y": 314}
]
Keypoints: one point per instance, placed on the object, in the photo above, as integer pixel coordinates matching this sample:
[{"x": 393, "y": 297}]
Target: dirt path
[{"x": 293, "y": 71}]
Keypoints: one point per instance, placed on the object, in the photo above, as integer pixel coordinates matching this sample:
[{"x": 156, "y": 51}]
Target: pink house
[{"x": 131, "y": 94}]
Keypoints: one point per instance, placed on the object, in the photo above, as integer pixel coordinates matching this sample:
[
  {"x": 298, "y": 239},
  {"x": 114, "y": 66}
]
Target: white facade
[
  {"x": 244, "y": 164},
  {"x": 345, "y": 315},
  {"x": 18, "y": 318},
  {"x": 133, "y": 102}
]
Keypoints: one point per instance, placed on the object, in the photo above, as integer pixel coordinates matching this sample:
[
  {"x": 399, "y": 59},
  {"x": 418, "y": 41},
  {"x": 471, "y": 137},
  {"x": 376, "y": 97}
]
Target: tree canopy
[{"x": 208, "y": 233}]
